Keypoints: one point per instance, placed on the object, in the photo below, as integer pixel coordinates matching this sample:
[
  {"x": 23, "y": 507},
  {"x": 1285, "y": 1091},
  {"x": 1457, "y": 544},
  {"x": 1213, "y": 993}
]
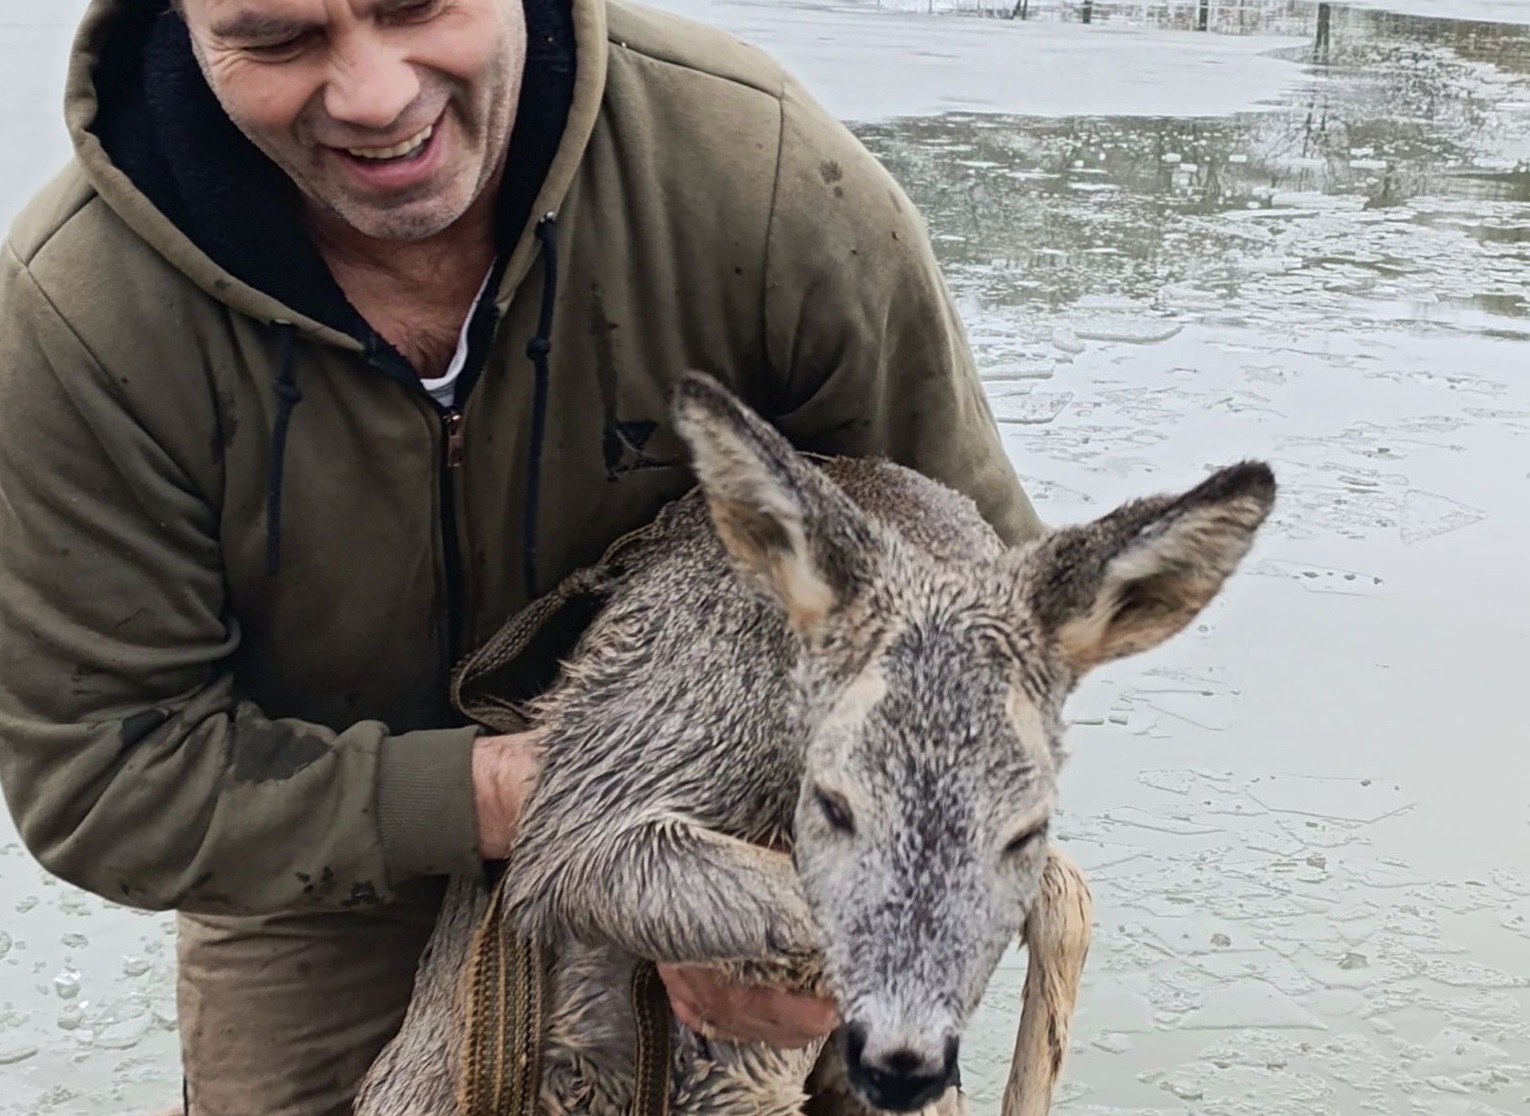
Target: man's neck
[
  {"x": 416, "y": 294},
  {"x": 436, "y": 268}
]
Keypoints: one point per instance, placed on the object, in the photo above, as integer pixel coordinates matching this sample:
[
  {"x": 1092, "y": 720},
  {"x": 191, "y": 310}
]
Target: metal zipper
[
  {"x": 451, "y": 427},
  {"x": 386, "y": 361},
  {"x": 452, "y": 422}
]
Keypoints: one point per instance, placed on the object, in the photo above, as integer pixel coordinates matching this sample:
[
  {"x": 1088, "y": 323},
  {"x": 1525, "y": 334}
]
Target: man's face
[{"x": 393, "y": 115}]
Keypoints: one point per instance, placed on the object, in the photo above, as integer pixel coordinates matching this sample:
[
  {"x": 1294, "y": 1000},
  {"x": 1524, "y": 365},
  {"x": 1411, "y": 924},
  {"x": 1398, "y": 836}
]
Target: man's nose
[{"x": 370, "y": 85}]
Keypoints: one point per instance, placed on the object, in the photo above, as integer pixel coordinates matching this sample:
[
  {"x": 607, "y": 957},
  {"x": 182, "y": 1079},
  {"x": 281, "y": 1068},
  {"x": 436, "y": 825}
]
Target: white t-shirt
[{"x": 444, "y": 388}]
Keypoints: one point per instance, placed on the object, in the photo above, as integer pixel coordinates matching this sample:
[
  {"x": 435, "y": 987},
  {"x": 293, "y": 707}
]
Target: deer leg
[
  {"x": 1057, "y": 944},
  {"x": 671, "y": 891}
]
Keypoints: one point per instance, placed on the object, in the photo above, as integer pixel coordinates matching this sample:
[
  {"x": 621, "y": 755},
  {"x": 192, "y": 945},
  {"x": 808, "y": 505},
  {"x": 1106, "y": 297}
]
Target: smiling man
[{"x": 349, "y": 329}]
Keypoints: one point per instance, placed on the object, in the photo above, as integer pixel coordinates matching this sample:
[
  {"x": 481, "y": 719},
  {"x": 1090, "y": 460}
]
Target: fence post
[{"x": 1088, "y": 10}]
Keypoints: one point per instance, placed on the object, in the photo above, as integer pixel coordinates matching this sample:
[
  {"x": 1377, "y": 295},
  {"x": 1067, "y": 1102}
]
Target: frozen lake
[{"x": 1307, "y": 821}]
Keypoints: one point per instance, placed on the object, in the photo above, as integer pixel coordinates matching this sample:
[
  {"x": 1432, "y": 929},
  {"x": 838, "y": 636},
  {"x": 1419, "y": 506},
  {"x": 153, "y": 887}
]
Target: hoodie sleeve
[
  {"x": 862, "y": 328},
  {"x": 130, "y": 765}
]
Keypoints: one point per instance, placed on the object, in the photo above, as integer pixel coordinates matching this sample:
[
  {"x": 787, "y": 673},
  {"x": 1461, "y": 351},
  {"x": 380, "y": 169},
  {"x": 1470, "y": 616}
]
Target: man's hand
[
  {"x": 504, "y": 771},
  {"x": 744, "y": 1013}
]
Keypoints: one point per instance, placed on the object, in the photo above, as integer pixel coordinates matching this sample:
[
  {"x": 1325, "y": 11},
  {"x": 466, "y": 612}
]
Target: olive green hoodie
[{"x": 240, "y": 548}]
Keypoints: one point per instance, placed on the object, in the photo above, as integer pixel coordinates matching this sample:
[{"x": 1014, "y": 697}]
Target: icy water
[{"x": 1307, "y": 820}]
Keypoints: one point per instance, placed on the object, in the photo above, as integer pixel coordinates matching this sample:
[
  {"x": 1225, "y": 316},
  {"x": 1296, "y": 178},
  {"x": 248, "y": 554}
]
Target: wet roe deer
[{"x": 840, "y": 658}]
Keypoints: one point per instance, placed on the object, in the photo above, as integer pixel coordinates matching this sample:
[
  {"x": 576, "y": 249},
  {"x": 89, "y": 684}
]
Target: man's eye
[
  {"x": 413, "y": 12},
  {"x": 279, "y": 51}
]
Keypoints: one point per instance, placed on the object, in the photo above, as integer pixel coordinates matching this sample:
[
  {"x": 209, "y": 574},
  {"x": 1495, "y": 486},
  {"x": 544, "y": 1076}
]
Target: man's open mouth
[{"x": 399, "y": 152}]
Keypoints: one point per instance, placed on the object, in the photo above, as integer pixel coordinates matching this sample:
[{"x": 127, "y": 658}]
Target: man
[{"x": 348, "y": 330}]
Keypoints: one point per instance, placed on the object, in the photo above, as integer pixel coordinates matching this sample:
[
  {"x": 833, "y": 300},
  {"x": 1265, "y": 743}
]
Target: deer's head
[{"x": 931, "y": 710}]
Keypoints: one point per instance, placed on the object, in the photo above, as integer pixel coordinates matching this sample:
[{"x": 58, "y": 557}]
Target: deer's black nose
[{"x": 901, "y": 1078}]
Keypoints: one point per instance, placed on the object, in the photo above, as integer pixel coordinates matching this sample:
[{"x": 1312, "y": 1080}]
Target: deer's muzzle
[{"x": 901, "y": 1076}]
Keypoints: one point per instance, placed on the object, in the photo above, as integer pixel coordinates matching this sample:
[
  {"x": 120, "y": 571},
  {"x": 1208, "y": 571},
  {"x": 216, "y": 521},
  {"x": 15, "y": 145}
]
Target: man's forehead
[
  {"x": 229, "y": 14},
  {"x": 240, "y": 16}
]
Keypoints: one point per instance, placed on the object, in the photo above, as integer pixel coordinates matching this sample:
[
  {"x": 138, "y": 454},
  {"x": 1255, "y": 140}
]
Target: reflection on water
[
  {"x": 1401, "y": 173},
  {"x": 1234, "y": 17},
  {"x": 1325, "y": 22}
]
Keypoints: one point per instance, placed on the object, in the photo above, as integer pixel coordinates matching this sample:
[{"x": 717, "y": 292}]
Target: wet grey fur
[{"x": 842, "y": 658}]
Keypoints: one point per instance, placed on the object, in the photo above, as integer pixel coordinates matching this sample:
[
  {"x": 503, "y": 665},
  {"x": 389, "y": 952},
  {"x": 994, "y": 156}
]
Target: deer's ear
[
  {"x": 790, "y": 532},
  {"x": 1130, "y": 580}
]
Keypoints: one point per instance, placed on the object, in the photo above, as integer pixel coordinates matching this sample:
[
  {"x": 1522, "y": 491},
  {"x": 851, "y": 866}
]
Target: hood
[{"x": 158, "y": 148}]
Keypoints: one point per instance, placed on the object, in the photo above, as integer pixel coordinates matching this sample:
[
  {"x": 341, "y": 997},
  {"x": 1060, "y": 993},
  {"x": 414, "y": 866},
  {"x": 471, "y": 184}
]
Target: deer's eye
[
  {"x": 836, "y": 811},
  {"x": 1020, "y": 842}
]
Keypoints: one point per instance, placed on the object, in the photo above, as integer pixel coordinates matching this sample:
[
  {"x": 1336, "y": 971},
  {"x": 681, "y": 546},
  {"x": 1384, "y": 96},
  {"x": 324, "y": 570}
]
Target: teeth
[{"x": 408, "y": 147}]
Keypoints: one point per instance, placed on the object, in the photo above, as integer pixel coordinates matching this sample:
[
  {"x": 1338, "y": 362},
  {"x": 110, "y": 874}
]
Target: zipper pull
[{"x": 453, "y": 423}]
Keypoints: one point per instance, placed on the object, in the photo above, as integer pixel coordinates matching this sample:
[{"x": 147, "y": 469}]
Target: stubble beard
[{"x": 483, "y": 128}]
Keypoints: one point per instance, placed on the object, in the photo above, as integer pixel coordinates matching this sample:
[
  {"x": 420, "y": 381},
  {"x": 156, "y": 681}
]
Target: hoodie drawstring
[
  {"x": 287, "y": 397},
  {"x": 537, "y": 351}
]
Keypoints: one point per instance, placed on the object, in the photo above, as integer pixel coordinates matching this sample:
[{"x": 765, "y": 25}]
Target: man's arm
[
  {"x": 127, "y": 759},
  {"x": 861, "y": 328}
]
